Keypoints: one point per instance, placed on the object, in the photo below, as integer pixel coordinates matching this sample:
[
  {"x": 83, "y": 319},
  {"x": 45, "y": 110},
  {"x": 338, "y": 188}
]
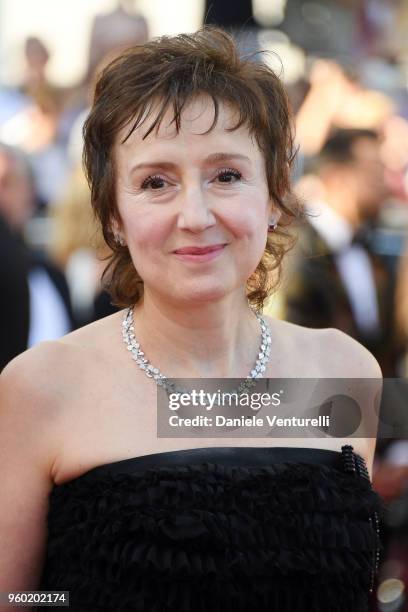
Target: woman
[{"x": 188, "y": 151}]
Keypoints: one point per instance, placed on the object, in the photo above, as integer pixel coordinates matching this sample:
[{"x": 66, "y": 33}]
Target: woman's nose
[{"x": 195, "y": 214}]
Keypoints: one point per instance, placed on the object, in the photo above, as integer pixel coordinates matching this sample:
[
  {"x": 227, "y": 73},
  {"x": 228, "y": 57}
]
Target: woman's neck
[{"x": 214, "y": 340}]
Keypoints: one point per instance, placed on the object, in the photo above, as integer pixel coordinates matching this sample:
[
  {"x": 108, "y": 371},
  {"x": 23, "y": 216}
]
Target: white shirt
[{"x": 48, "y": 316}]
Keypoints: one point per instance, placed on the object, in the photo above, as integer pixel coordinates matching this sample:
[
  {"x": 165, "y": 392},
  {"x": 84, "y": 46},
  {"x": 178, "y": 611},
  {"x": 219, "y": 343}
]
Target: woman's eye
[
  {"x": 228, "y": 176},
  {"x": 157, "y": 182},
  {"x": 154, "y": 182}
]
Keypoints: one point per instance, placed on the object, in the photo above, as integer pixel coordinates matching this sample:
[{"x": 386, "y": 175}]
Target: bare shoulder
[
  {"x": 324, "y": 353},
  {"x": 43, "y": 376},
  {"x": 95, "y": 335},
  {"x": 28, "y": 378},
  {"x": 331, "y": 354},
  {"x": 347, "y": 357}
]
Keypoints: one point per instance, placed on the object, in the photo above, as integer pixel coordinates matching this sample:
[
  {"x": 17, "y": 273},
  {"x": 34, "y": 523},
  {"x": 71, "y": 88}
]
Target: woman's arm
[{"x": 27, "y": 454}]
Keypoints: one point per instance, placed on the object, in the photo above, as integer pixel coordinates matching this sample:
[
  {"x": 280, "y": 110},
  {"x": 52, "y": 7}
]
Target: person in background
[
  {"x": 229, "y": 13},
  {"x": 78, "y": 248},
  {"x": 35, "y": 82},
  {"x": 237, "y": 18},
  {"x": 335, "y": 280},
  {"x": 34, "y": 128},
  {"x": 50, "y": 309},
  {"x": 113, "y": 32},
  {"x": 14, "y": 302},
  {"x": 336, "y": 99},
  {"x": 110, "y": 33}
]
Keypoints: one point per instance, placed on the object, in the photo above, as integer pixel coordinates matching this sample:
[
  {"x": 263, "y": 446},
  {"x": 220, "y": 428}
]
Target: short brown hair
[{"x": 171, "y": 70}]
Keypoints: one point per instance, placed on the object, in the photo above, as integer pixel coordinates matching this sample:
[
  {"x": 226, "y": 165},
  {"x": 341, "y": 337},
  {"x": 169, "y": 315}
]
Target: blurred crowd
[{"x": 345, "y": 65}]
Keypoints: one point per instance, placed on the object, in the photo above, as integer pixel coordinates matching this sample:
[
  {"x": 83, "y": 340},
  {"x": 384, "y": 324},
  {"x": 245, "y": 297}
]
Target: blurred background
[{"x": 345, "y": 67}]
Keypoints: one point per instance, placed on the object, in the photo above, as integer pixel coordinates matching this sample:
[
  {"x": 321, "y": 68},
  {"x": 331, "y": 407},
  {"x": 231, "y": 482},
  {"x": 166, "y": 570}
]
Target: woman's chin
[
  {"x": 201, "y": 294},
  {"x": 201, "y": 297}
]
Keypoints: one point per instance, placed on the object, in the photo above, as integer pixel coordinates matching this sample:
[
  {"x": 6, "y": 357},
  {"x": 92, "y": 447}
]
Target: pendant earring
[{"x": 272, "y": 226}]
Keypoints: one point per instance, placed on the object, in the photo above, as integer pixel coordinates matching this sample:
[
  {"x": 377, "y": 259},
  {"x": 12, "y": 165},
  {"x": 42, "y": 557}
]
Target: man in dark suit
[{"x": 336, "y": 279}]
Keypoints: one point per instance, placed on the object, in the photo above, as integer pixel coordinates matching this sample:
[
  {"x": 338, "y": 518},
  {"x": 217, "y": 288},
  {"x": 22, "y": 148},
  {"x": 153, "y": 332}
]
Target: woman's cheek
[
  {"x": 249, "y": 226},
  {"x": 146, "y": 231}
]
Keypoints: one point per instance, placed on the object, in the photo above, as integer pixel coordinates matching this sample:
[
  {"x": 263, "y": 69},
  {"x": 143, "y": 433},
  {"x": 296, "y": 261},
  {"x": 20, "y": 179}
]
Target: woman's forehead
[{"x": 197, "y": 119}]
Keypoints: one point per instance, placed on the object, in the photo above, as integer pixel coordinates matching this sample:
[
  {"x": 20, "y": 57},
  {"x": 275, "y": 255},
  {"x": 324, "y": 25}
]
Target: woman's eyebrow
[
  {"x": 222, "y": 157},
  {"x": 211, "y": 159},
  {"x": 153, "y": 164}
]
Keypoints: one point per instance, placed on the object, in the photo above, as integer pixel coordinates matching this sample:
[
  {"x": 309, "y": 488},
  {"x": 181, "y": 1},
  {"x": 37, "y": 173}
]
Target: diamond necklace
[{"x": 128, "y": 333}]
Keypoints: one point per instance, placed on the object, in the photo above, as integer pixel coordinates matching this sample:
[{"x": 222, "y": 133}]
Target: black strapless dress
[{"x": 217, "y": 529}]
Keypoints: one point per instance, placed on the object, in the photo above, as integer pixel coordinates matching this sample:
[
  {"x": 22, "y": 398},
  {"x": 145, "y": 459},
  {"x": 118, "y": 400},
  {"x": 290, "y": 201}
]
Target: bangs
[{"x": 154, "y": 111}]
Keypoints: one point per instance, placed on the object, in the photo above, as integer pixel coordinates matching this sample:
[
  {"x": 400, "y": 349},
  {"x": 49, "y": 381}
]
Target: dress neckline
[{"x": 245, "y": 456}]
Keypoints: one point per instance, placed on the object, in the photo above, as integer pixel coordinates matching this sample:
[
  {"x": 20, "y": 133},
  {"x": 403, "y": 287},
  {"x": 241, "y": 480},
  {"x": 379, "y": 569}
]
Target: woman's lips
[{"x": 199, "y": 254}]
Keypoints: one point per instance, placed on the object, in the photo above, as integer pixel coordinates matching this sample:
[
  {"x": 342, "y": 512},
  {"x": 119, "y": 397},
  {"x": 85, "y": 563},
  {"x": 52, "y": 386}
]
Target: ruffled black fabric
[{"x": 287, "y": 537}]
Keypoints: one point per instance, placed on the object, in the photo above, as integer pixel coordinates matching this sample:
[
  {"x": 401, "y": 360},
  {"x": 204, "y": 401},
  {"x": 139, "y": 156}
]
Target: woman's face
[{"x": 194, "y": 207}]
